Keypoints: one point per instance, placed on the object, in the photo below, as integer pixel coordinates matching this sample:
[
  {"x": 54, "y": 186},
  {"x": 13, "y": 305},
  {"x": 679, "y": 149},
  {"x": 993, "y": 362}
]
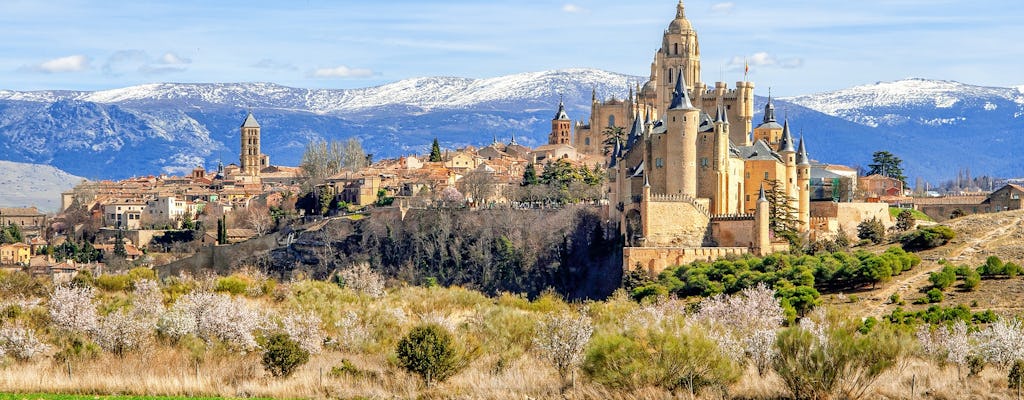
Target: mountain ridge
[{"x": 171, "y": 128}]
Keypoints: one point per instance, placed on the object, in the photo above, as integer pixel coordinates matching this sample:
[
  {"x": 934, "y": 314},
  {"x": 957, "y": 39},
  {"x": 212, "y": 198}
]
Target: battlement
[
  {"x": 680, "y": 198},
  {"x": 732, "y": 217}
]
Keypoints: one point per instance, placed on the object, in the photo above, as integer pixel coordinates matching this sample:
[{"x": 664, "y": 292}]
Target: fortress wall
[
  {"x": 653, "y": 260},
  {"x": 733, "y": 232},
  {"x": 849, "y": 215},
  {"x": 674, "y": 224}
]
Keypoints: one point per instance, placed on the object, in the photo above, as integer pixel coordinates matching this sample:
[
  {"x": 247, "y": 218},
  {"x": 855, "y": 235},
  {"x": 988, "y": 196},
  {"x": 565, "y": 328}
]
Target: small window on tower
[
  {"x": 586, "y": 141},
  {"x": 659, "y": 162},
  {"x": 765, "y": 175}
]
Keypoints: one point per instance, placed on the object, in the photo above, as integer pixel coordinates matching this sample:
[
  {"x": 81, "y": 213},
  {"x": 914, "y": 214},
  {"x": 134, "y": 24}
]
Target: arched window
[
  {"x": 611, "y": 120},
  {"x": 670, "y": 75},
  {"x": 675, "y": 48},
  {"x": 586, "y": 141}
]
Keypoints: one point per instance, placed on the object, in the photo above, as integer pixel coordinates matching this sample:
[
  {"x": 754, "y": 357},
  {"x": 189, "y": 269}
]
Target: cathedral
[{"x": 688, "y": 180}]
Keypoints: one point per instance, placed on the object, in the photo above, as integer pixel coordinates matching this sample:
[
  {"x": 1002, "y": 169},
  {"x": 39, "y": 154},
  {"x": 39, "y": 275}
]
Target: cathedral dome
[{"x": 680, "y": 23}]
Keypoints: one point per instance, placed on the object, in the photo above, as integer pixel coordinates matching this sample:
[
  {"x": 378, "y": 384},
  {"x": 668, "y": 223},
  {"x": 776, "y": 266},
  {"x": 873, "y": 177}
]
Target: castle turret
[
  {"x": 720, "y": 162},
  {"x": 682, "y": 120},
  {"x": 762, "y": 235},
  {"x": 561, "y": 126},
  {"x": 680, "y": 52},
  {"x": 788, "y": 154},
  {"x": 769, "y": 130},
  {"x": 803, "y": 179},
  {"x": 250, "y": 146}
]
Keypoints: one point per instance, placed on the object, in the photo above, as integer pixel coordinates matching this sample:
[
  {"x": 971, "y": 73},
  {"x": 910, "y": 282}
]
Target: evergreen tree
[
  {"x": 612, "y": 134},
  {"x": 905, "y": 220},
  {"x": 222, "y": 230},
  {"x": 119, "y": 249},
  {"x": 435, "y": 151},
  {"x": 886, "y": 164},
  {"x": 530, "y": 175},
  {"x": 872, "y": 230},
  {"x": 781, "y": 214}
]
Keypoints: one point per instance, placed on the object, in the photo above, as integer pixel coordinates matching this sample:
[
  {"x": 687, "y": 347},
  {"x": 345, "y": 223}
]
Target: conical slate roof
[
  {"x": 250, "y": 122},
  {"x": 680, "y": 97},
  {"x": 786, "y": 144}
]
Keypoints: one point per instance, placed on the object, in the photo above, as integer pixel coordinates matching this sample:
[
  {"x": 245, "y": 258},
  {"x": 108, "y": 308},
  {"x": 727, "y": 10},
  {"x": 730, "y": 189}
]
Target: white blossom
[
  {"x": 744, "y": 324},
  {"x": 305, "y": 329},
  {"x": 655, "y": 313},
  {"x": 72, "y": 309},
  {"x": 148, "y": 300},
  {"x": 439, "y": 318},
  {"x": 1002, "y": 343},
  {"x": 20, "y": 342},
  {"x": 352, "y": 333},
  {"x": 362, "y": 279},
  {"x": 561, "y": 340},
  {"x": 121, "y": 332},
  {"x": 212, "y": 316}
]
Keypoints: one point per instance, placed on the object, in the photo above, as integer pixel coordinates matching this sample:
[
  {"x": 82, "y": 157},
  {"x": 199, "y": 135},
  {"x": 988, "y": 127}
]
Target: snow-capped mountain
[
  {"x": 33, "y": 185},
  {"x": 171, "y": 128},
  {"x": 936, "y": 126}
]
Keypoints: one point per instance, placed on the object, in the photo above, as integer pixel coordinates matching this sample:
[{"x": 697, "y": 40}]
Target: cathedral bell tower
[
  {"x": 680, "y": 52},
  {"x": 250, "y": 149},
  {"x": 561, "y": 126}
]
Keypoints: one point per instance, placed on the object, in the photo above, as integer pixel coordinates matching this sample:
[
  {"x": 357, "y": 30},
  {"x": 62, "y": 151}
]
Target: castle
[{"x": 688, "y": 180}]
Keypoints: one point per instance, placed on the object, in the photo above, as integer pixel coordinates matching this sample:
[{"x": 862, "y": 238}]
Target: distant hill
[
  {"x": 171, "y": 128},
  {"x": 26, "y": 185}
]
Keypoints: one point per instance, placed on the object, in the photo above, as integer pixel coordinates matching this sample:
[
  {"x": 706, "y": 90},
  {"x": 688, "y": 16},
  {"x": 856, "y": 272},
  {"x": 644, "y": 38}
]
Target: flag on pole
[{"x": 746, "y": 69}]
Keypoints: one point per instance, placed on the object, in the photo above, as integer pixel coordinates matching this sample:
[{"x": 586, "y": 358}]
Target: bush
[
  {"x": 943, "y": 278},
  {"x": 428, "y": 351},
  {"x": 231, "y": 284},
  {"x": 971, "y": 280},
  {"x": 934, "y": 295},
  {"x": 905, "y": 220},
  {"x": 826, "y": 360},
  {"x": 113, "y": 282},
  {"x": 1015, "y": 378},
  {"x": 282, "y": 355},
  {"x": 872, "y": 230},
  {"x": 927, "y": 237}
]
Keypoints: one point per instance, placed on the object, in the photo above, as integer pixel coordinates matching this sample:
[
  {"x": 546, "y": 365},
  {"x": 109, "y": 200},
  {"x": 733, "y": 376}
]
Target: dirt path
[{"x": 875, "y": 304}]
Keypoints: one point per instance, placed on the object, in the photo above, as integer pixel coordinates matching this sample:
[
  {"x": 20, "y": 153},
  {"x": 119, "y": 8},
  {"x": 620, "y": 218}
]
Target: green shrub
[
  {"x": 616, "y": 361},
  {"x": 934, "y": 295},
  {"x": 1015, "y": 379},
  {"x": 872, "y": 230},
  {"x": 927, "y": 237},
  {"x": 232, "y": 284},
  {"x": 282, "y": 355},
  {"x": 971, "y": 280},
  {"x": 428, "y": 351},
  {"x": 113, "y": 283},
  {"x": 943, "y": 279},
  {"x": 840, "y": 364}
]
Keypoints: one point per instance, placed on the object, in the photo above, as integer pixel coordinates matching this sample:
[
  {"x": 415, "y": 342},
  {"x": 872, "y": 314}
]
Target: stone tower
[
  {"x": 769, "y": 130},
  {"x": 788, "y": 154},
  {"x": 682, "y": 120},
  {"x": 561, "y": 127},
  {"x": 803, "y": 179},
  {"x": 250, "y": 149},
  {"x": 679, "y": 55},
  {"x": 762, "y": 237}
]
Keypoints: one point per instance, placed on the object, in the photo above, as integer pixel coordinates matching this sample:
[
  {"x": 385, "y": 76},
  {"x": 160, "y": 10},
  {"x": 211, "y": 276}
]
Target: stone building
[
  {"x": 252, "y": 161},
  {"x": 687, "y": 183}
]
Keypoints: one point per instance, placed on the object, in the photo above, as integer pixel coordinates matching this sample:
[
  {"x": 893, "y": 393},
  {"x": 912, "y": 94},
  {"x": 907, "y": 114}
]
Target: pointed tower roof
[
  {"x": 647, "y": 181},
  {"x": 561, "y": 115},
  {"x": 786, "y": 144},
  {"x": 637, "y": 130},
  {"x": 760, "y": 194},
  {"x": 647, "y": 118},
  {"x": 513, "y": 142},
  {"x": 680, "y": 97},
  {"x": 769, "y": 110},
  {"x": 801, "y": 154},
  {"x": 250, "y": 121}
]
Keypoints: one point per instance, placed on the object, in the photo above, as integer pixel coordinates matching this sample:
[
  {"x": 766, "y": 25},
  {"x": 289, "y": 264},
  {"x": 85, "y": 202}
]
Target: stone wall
[
  {"x": 675, "y": 224},
  {"x": 849, "y": 215},
  {"x": 733, "y": 232},
  {"x": 653, "y": 260}
]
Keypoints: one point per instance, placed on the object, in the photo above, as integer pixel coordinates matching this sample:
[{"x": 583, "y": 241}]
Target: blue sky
[{"x": 794, "y": 46}]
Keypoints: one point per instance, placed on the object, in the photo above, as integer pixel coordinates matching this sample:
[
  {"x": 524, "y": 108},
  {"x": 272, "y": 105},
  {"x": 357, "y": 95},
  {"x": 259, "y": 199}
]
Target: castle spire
[
  {"x": 801, "y": 154},
  {"x": 786, "y": 144},
  {"x": 513, "y": 142},
  {"x": 680, "y": 97},
  {"x": 760, "y": 194},
  {"x": 769, "y": 109},
  {"x": 561, "y": 115}
]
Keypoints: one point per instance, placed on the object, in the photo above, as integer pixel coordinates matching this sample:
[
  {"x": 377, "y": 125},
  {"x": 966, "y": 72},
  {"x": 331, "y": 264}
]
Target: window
[
  {"x": 611, "y": 120},
  {"x": 659, "y": 162},
  {"x": 765, "y": 175},
  {"x": 704, "y": 162},
  {"x": 586, "y": 141}
]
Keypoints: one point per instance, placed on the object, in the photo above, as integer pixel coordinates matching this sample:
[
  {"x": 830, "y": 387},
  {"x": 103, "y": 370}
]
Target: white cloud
[
  {"x": 764, "y": 59},
  {"x": 73, "y": 63},
  {"x": 170, "y": 58},
  {"x": 342, "y": 71},
  {"x": 270, "y": 64},
  {"x": 723, "y": 8},
  {"x": 573, "y": 9}
]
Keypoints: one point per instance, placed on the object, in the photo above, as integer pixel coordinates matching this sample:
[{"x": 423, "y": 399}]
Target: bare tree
[
  {"x": 477, "y": 185},
  {"x": 257, "y": 217}
]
